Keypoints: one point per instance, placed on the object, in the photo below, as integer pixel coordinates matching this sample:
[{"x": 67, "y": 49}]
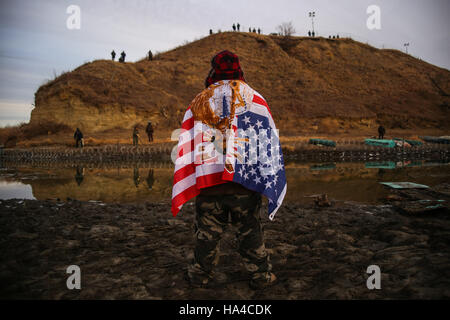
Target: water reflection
[
  {"x": 19, "y": 190},
  {"x": 150, "y": 179},
  {"x": 136, "y": 177},
  {"x": 138, "y": 182},
  {"x": 79, "y": 175}
]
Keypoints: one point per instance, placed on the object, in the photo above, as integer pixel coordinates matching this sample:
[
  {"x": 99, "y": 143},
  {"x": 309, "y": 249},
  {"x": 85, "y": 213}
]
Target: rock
[
  {"x": 103, "y": 229},
  {"x": 24, "y": 235}
]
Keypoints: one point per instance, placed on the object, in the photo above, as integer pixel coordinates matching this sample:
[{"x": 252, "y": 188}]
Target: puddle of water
[
  {"x": 18, "y": 190},
  {"x": 341, "y": 181}
]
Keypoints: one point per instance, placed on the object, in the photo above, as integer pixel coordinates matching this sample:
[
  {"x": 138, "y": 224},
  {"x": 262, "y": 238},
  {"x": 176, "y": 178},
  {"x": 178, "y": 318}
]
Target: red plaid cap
[{"x": 225, "y": 66}]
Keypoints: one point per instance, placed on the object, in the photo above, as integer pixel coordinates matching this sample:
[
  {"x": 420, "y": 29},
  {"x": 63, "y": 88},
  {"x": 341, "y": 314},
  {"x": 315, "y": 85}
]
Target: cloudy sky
[{"x": 36, "y": 43}]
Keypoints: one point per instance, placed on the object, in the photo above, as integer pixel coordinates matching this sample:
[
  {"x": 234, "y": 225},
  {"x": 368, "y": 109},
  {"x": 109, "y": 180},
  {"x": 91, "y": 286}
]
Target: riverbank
[
  {"x": 298, "y": 150},
  {"x": 139, "y": 251}
]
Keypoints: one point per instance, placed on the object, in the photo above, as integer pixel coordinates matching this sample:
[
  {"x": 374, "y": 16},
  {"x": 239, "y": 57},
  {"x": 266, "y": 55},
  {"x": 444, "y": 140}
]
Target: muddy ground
[{"x": 139, "y": 251}]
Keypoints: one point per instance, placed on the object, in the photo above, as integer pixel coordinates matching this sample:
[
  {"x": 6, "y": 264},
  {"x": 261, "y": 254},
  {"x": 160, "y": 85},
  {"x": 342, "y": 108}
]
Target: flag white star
[
  {"x": 246, "y": 176},
  {"x": 246, "y": 119},
  {"x": 257, "y": 180},
  {"x": 268, "y": 184},
  {"x": 252, "y": 171},
  {"x": 259, "y": 123}
]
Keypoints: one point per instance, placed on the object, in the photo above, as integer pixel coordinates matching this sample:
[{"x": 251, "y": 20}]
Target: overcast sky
[{"x": 36, "y": 43}]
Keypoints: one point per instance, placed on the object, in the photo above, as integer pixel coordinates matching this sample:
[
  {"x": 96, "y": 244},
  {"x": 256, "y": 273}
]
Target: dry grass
[{"x": 11, "y": 136}]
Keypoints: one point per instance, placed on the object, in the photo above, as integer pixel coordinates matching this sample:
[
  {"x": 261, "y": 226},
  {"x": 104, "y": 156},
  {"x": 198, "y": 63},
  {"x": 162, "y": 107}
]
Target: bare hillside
[{"x": 311, "y": 84}]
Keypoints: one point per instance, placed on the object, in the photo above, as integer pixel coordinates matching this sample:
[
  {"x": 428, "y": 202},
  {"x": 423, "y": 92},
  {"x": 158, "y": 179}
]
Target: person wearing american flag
[{"x": 229, "y": 156}]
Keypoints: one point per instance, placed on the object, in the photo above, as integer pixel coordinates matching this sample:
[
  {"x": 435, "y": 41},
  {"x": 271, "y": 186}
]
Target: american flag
[{"x": 253, "y": 156}]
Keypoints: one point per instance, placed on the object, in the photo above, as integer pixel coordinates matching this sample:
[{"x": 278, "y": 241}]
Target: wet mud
[{"x": 139, "y": 251}]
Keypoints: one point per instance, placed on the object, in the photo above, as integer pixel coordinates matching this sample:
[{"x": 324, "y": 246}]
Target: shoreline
[
  {"x": 348, "y": 150},
  {"x": 139, "y": 251}
]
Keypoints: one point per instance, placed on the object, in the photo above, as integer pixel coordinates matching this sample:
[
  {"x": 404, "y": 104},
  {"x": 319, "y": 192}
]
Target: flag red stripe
[
  {"x": 210, "y": 180},
  {"x": 188, "y": 124},
  {"x": 183, "y": 197},
  {"x": 184, "y": 172},
  {"x": 261, "y": 101},
  {"x": 186, "y": 148}
]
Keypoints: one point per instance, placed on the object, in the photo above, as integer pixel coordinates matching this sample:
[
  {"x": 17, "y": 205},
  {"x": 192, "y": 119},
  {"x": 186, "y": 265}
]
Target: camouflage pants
[{"x": 213, "y": 213}]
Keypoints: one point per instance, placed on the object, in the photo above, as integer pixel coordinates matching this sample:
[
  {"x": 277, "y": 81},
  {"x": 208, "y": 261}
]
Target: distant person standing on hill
[
  {"x": 113, "y": 55},
  {"x": 259, "y": 31},
  {"x": 234, "y": 27},
  {"x": 122, "y": 56},
  {"x": 238, "y": 26},
  {"x": 150, "y": 55},
  {"x": 381, "y": 132},
  {"x": 149, "y": 131},
  {"x": 135, "y": 136},
  {"x": 78, "y": 136}
]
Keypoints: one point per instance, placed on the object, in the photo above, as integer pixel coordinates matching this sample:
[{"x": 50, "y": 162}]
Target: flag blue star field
[{"x": 263, "y": 167}]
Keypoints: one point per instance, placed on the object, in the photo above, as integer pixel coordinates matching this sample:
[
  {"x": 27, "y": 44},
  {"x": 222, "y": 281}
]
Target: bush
[
  {"x": 10, "y": 136},
  {"x": 30, "y": 131},
  {"x": 286, "y": 29}
]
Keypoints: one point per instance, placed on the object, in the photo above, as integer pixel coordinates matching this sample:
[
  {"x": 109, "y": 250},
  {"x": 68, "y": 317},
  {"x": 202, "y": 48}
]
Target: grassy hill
[{"x": 313, "y": 85}]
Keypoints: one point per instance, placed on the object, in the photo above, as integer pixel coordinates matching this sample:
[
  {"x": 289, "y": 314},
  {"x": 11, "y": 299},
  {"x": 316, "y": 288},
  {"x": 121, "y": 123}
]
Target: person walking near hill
[
  {"x": 381, "y": 132},
  {"x": 78, "y": 136},
  {"x": 149, "y": 130},
  {"x": 113, "y": 55},
  {"x": 234, "y": 27},
  {"x": 135, "y": 136},
  {"x": 227, "y": 174}
]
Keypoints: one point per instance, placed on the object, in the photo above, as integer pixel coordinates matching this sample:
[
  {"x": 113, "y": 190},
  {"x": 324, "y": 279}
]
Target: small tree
[{"x": 286, "y": 29}]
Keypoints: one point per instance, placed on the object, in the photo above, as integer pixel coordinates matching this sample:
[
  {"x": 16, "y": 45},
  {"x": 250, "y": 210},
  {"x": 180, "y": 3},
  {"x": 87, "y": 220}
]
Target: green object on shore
[
  {"x": 415, "y": 164},
  {"x": 411, "y": 142},
  {"x": 405, "y": 185},
  {"x": 380, "y": 165},
  {"x": 380, "y": 143},
  {"x": 327, "y": 143},
  {"x": 436, "y": 139}
]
